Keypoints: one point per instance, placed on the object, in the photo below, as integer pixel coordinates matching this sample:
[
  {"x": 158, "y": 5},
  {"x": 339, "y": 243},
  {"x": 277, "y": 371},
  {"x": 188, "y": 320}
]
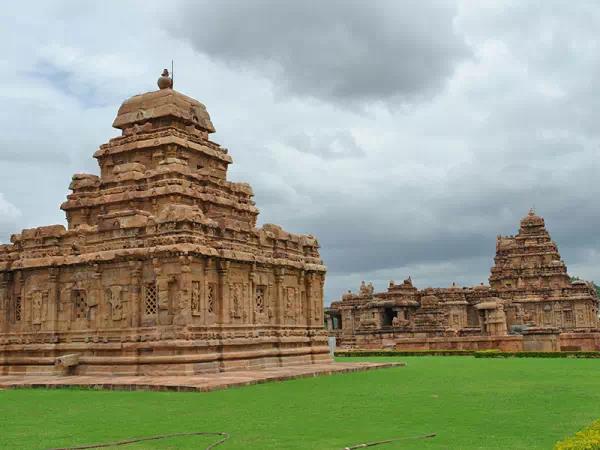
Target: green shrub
[
  {"x": 354, "y": 353},
  {"x": 477, "y": 354},
  {"x": 586, "y": 439},
  {"x": 497, "y": 354}
]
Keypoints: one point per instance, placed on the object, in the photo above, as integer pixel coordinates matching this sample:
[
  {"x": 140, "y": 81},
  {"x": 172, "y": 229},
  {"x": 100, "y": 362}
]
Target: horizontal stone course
[{"x": 203, "y": 383}]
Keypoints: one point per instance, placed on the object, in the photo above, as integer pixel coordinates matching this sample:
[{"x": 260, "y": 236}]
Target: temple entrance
[{"x": 388, "y": 317}]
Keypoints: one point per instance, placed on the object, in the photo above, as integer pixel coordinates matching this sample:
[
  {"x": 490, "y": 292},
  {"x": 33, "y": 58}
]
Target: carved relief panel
[
  {"x": 39, "y": 302},
  {"x": 196, "y": 299},
  {"x": 237, "y": 299},
  {"x": 116, "y": 304},
  {"x": 290, "y": 301}
]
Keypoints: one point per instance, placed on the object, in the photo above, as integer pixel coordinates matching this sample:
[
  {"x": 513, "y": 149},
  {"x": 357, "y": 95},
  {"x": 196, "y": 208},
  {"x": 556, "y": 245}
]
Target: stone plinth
[
  {"x": 541, "y": 340},
  {"x": 205, "y": 382}
]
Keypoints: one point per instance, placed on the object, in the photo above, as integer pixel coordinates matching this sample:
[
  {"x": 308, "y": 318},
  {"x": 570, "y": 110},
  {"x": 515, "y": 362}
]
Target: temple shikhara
[
  {"x": 529, "y": 293},
  {"x": 162, "y": 268}
]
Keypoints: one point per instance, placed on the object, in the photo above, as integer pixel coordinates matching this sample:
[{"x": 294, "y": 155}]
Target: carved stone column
[
  {"x": 53, "y": 300},
  {"x": 183, "y": 310},
  {"x": 4, "y": 278},
  {"x": 310, "y": 293},
  {"x": 315, "y": 299},
  {"x": 304, "y": 314},
  {"x": 94, "y": 298},
  {"x": 279, "y": 298},
  {"x": 318, "y": 316},
  {"x": 162, "y": 292},
  {"x": 135, "y": 303},
  {"x": 224, "y": 307},
  {"x": 17, "y": 295},
  {"x": 252, "y": 312},
  {"x": 206, "y": 313}
]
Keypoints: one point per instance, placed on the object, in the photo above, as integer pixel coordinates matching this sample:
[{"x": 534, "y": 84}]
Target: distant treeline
[{"x": 593, "y": 282}]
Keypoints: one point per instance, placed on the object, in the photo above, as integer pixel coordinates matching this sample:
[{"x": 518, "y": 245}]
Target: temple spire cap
[{"x": 165, "y": 81}]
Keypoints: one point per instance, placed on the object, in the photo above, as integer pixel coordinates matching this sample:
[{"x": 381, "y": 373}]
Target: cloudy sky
[{"x": 405, "y": 135}]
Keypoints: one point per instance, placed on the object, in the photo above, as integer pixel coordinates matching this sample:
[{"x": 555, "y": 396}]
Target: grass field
[{"x": 470, "y": 403}]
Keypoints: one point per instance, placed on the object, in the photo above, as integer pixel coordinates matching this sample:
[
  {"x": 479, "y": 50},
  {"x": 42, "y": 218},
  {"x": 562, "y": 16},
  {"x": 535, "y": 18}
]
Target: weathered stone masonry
[{"x": 162, "y": 268}]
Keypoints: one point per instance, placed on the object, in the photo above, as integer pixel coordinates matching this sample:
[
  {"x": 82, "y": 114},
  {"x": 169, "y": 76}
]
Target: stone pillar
[
  {"x": 53, "y": 300},
  {"x": 279, "y": 303},
  {"x": 304, "y": 309},
  {"x": 319, "y": 303},
  {"x": 18, "y": 293},
  {"x": 206, "y": 319},
  {"x": 223, "y": 307},
  {"x": 135, "y": 303},
  {"x": 94, "y": 298},
  {"x": 4, "y": 278},
  {"x": 311, "y": 282},
  {"x": 183, "y": 310},
  {"x": 252, "y": 313},
  {"x": 162, "y": 292}
]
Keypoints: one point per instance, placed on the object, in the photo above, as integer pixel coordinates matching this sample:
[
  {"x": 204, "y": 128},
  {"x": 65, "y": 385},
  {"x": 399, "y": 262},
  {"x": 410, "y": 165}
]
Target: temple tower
[{"x": 528, "y": 260}]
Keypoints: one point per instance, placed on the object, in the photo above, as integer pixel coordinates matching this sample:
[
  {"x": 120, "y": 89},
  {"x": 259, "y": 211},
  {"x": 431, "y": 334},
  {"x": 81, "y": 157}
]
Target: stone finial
[{"x": 165, "y": 81}]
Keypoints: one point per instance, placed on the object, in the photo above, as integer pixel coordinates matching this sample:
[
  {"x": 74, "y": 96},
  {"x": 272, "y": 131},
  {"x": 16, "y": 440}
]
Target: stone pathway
[{"x": 204, "y": 382}]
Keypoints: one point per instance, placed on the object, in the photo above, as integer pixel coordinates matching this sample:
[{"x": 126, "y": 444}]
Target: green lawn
[{"x": 470, "y": 403}]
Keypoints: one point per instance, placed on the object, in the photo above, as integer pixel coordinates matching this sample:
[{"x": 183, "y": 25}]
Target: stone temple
[
  {"x": 162, "y": 269},
  {"x": 529, "y": 293}
]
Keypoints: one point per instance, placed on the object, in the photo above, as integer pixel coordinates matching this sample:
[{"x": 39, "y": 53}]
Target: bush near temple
[
  {"x": 476, "y": 354},
  {"x": 586, "y": 439},
  {"x": 497, "y": 354},
  {"x": 359, "y": 353}
]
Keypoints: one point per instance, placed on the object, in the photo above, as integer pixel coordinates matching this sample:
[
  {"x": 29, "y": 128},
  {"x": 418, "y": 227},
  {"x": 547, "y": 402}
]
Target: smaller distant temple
[{"x": 529, "y": 290}]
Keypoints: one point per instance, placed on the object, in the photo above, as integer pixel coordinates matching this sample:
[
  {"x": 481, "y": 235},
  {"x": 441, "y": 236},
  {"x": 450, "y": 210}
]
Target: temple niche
[
  {"x": 162, "y": 268},
  {"x": 529, "y": 290}
]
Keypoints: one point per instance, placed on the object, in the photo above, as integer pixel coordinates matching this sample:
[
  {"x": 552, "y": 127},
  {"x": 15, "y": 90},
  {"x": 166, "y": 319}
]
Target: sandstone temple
[
  {"x": 529, "y": 293},
  {"x": 162, "y": 268}
]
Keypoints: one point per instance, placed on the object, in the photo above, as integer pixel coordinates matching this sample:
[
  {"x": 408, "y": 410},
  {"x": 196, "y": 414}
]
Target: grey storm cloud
[
  {"x": 404, "y": 135},
  {"x": 337, "y": 50},
  {"x": 335, "y": 144}
]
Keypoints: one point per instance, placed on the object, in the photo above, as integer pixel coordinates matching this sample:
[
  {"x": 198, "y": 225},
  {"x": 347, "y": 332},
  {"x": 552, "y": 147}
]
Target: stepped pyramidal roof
[{"x": 528, "y": 260}]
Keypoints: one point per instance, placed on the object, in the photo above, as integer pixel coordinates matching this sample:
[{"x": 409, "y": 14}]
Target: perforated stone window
[
  {"x": 150, "y": 299},
  {"x": 18, "y": 309},
  {"x": 80, "y": 302},
  {"x": 568, "y": 316},
  {"x": 260, "y": 299}
]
